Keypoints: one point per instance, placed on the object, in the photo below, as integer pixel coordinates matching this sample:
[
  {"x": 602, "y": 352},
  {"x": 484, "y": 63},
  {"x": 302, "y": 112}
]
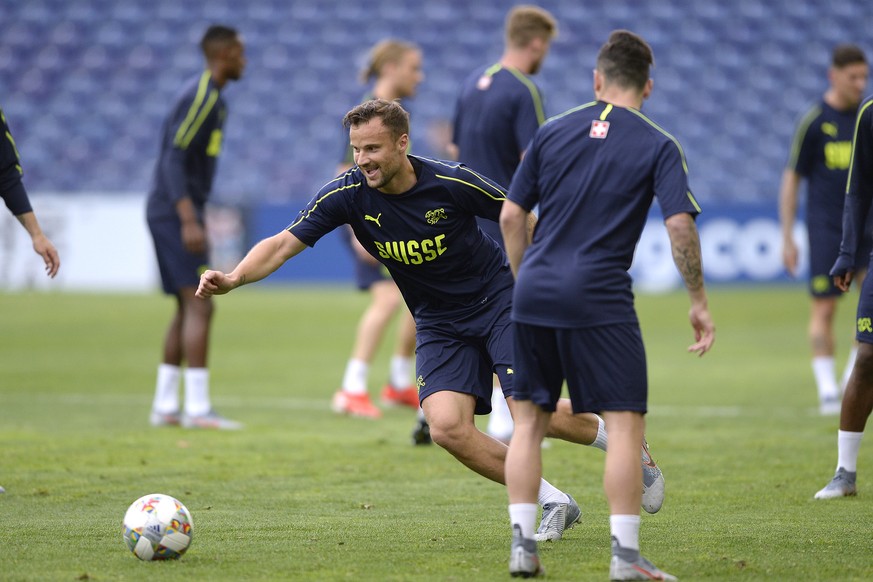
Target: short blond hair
[
  {"x": 386, "y": 51},
  {"x": 526, "y": 22}
]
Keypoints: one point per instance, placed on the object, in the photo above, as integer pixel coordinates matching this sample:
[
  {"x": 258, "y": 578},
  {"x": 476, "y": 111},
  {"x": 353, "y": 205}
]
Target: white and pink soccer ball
[{"x": 157, "y": 527}]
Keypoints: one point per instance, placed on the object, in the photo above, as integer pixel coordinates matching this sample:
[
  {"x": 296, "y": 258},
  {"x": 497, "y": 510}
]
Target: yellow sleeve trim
[
  {"x": 678, "y": 146},
  {"x": 800, "y": 134},
  {"x": 317, "y": 202},
  {"x": 500, "y": 193},
  {"x": 573, "y": 110},
  {"x": 534, "y": 93},
  {"x": 14, "y": 149},
  {"x": 501, "y": 197},
  {"x": 656, "y": 126},
  {"x": 188, "y": 129}
]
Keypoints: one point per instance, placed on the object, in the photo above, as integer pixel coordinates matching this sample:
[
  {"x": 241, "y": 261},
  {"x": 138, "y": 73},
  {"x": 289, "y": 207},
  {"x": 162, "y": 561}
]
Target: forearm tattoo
[{"x": 686, "y": 255}]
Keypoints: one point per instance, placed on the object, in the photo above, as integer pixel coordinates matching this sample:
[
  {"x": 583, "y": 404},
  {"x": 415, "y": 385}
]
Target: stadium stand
[{"x": 86, "y": 83}]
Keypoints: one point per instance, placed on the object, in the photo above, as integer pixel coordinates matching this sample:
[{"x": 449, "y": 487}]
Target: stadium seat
[{"x": 96, "y": 76}]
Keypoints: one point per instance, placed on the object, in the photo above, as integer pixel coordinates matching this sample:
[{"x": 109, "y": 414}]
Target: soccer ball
[{"x": 157, "y": 527}]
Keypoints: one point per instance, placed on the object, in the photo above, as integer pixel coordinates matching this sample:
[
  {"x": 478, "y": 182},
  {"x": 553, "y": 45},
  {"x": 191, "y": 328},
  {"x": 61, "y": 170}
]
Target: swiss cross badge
[{"x": 599, "y": 129}]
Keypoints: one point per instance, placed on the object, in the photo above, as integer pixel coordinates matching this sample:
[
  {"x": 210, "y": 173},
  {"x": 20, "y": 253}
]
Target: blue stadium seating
[{"x": 86, "y": 84}]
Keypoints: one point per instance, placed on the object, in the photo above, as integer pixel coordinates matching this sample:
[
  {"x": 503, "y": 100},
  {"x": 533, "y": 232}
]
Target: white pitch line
[{"x": 267, "y": 402}]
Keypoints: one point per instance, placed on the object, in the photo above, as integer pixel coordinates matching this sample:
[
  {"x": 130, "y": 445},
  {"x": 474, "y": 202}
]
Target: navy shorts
[
  {"x": 179, "y": 268},
  {"x": 367, "y": 273},
  {"x": 604, "y": 366},
  {"x": 824, "y": 247},
  {"x": 461, "y": 354},
  {"x": 864, "y": 322}
]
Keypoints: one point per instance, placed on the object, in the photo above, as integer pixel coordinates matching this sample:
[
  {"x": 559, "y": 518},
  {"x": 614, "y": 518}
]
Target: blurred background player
[
  {"x": 858, "y": 399},
  {"x": 190, "y": 144},
  {"x": 394, "y": 66},
  {"x": 573, "y": 306},
  {"x": 820, "y": 154},
  {"x": 15, "y": 197},
  {"x": 497, "y": 112}
]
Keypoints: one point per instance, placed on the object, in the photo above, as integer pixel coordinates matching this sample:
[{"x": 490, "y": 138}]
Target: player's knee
[
  {"x": 863, "y": 369},
  {"x": 449, "y": 433}
]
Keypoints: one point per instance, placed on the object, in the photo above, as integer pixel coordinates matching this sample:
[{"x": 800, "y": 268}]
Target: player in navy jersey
[
  {"x": 15, "y": 197},
  {"x": 858, "y": 399},
  {"x": 820, "y": 154},
  {"x": 496, "y": 114},
  {"x": 594, "y": 172},
  {"x": 417, "y": 216},
  {"x": 395, "y": 68},
  {"x": 191, "y": 139}
]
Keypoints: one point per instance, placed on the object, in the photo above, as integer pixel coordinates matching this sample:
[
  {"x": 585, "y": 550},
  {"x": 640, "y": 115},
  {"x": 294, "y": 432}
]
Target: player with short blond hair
[
  {"x": 394, "y": 67},
  {"x": 497, "y": 111}
]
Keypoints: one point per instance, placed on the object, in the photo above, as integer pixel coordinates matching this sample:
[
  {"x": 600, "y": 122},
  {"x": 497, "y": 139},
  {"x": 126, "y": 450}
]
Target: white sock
[
  {"x": 401, "y": 372},
  {"x": 523, "y": 515},
  {"x": 848, "y": 444},
  {"x": 167, "y": 389},
  {"x": 600, "y": 439},
  {"x": 825, "y": 377},
  {"x": 500, "y": 424},
  {"x": 548, "y": 493},
  {"x": 197, "y": 391},
  {"x": 355, "y": 378},
  {"x": 850, "y": 365},
  {"x": 626, "y": 531}
]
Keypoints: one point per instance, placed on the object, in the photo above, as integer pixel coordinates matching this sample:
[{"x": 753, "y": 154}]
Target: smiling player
[{"x": 417, "y": 216}]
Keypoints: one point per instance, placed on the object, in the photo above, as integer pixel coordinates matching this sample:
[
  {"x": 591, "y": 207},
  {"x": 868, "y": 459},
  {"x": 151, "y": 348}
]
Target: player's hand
[
  {"x": 704, "y": 329},
  {"x": 789, "y": 256},
  {"x": 844, "y": 281},
  {"x": 194, "y": 237},
  {"x": 44, "y": 248},
  {"x": 214, "y": 283}
]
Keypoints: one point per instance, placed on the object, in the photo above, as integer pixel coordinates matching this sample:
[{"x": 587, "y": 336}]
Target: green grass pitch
[{"x": 303, "y": 494}]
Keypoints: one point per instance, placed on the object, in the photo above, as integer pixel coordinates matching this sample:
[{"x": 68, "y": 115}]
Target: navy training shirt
[
  {"x": 820, "y": 152},
  {"x": 594, "y": 171},
  {"x": 11, "y": 187},
  {"x": 859, "y": 189},
  {"x": 497, "y": 113},
  {"x": 191, "y": 139},
  {"x": 427, "y": 237}
]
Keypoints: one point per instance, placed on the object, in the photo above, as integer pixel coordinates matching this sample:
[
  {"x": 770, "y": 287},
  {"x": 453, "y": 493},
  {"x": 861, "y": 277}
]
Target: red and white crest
[{"x": 599, "y": 129}]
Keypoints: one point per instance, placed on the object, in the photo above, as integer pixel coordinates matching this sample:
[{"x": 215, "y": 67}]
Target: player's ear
[
  {"x": 597, "y": 83},
  {"x": 403, "y": 142},
  {"x": 647, "y": 90}
]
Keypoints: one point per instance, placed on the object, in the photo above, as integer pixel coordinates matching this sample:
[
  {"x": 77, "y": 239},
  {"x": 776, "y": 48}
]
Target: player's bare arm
[
  {"x": 41, "y": 244},
  {"x": 263, "y": 260},
  {"x": 844, "y": 281},
  {"x": 516, "y": 228},
  {"x": 193, "y": 233},
  {"x": 685, "y": 244},
  {"x": 787, "y": 213}
]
